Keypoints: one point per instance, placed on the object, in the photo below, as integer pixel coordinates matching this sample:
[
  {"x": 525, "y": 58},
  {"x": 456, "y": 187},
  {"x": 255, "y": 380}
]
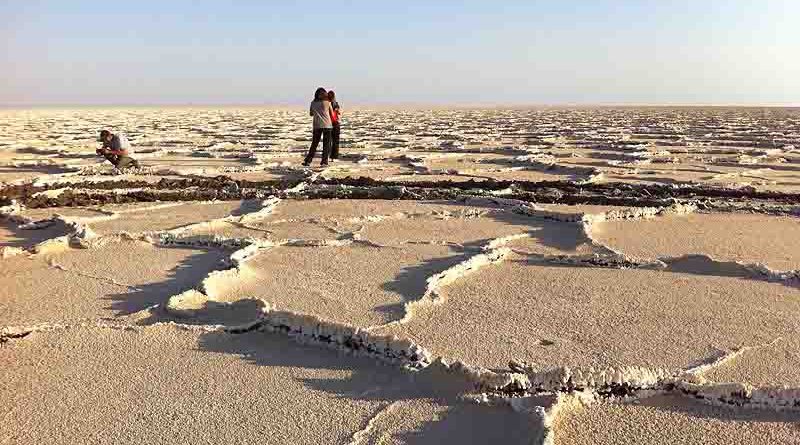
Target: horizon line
[{"x": 406, "y": 105}]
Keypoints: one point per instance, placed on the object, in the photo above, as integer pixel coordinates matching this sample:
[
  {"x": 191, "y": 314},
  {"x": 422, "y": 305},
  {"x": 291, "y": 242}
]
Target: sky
[{"x": 525, "y": 52}]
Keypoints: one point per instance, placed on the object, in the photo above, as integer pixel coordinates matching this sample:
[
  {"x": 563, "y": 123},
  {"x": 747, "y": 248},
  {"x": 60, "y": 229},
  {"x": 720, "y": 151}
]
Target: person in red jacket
[{"x": 337, "y": 128}]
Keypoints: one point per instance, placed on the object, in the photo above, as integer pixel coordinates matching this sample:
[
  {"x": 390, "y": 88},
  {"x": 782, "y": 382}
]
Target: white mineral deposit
[{"x": 399, "y": 288}]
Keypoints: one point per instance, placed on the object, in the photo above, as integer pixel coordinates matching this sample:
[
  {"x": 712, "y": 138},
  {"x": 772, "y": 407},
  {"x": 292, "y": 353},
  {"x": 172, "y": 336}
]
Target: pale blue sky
[{"x": 461, "y": 52}]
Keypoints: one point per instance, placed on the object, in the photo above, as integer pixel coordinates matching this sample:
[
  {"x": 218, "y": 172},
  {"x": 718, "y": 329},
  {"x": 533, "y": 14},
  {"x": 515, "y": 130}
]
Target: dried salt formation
[
  {"x": 565, "y": 276},
  {"x": 770, "y": 240}
]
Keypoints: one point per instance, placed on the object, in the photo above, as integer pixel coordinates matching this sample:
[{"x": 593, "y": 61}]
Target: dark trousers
[
  {"x": 325, "y": 134},
  {"x": 337, "y": 130}
]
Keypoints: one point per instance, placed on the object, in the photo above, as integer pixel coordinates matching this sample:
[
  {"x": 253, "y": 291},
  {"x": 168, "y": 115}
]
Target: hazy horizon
[
  {"x": 425, "y": 54},
  {"x": 388, "y": 106}
]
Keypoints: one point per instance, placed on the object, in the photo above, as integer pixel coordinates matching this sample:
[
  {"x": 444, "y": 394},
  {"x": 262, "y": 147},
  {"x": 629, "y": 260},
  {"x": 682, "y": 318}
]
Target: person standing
[
  {"x": 322, "y": 112},
  {"x": 116, "y": 150},
  {"x": 337, "y": 127}
]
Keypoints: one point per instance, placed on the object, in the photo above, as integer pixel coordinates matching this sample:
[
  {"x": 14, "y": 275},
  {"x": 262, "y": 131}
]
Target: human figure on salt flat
[
  {"x": 322, "y": 112},
  {"x": 116, "y": 150},
  {"x": 337, "y": 127}
]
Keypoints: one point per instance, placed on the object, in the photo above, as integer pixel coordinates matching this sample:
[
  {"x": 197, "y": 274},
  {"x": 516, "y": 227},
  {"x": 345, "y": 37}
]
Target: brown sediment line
[
  {"x": 76, "y": 198},
  {"x": 167, "y": 189},
  {"x": 561, "y": 192},
  {"x": 784, "y": 204},
  {"x": 72, "y": 198},
  {"x": 545, "y": 192}
]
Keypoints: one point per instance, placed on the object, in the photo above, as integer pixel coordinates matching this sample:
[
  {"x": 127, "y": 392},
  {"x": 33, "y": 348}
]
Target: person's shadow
[
  {"x": 411, "y": 282},
  {"x": 187, "y": 274},
  {"x": 458, "y": 421},
  {"x": 11, "y": 235}
]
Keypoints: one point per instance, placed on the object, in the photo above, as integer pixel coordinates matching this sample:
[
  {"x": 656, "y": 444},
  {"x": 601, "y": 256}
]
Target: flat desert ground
[{"x": 553, "y": 275}]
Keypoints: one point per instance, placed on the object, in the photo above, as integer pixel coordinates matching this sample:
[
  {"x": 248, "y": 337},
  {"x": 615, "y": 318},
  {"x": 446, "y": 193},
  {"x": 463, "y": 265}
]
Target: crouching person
[{"x": 116, "y": 150}]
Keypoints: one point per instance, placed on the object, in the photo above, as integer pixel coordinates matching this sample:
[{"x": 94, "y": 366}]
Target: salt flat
[
  {"x": 115, "y": 279},
  {"x": 165, "y": 385},
  {"x": 599, "y": 317},
  {"x": 670, "y": 420},
  {"x": 772, "y": 240},
  {"x": 598, "y": 275}
]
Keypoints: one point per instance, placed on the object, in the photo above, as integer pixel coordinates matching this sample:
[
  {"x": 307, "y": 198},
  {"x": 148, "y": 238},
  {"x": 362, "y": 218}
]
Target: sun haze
[{"x": 470, "y": 52}]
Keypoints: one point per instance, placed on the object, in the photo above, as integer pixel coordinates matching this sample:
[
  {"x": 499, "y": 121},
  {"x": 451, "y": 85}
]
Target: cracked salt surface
[
  {"x": 68, "y": 212},
  {"x": 486, "y": 275},
  {"x": 176, "y": 385},
  {"x": 333, "y": 283},
  {"x": 458, "y": 225},
  {"x": 770, "y": 240},
  {"x": 583, "y": 316},
  {"x": 669, "y": 419},
  {"x": 13, "y": 235},
  {"x": 146, "y": 219},
  {"x": 763, "y": 365},
  {"x": 118, "y": 278},
  {"x": 338, "y": 219}
]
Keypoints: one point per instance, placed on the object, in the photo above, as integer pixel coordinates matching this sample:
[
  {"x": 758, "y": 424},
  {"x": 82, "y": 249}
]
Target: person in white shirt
[
  {"x": 321, "y": 110},
  {"x": 116, "y": 150}
]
